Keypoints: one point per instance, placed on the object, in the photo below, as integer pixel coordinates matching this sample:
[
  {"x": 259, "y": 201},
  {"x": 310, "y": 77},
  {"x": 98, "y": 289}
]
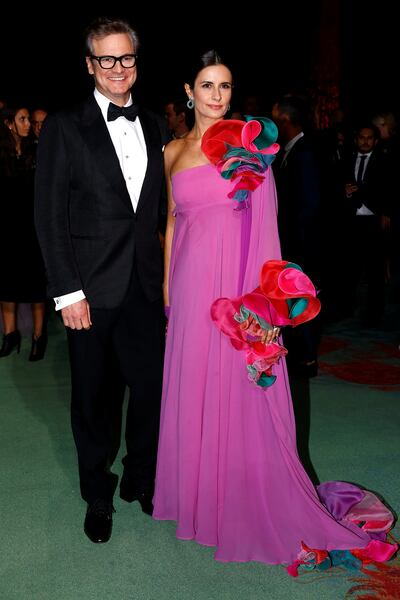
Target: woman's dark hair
[
  {"x": 208, "y": 59},
  {"x": 10, "y": 166}
]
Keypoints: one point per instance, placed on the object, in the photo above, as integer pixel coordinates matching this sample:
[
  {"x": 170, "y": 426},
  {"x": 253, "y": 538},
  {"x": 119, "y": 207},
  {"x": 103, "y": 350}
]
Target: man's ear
[{"x": 89, "y": 66}]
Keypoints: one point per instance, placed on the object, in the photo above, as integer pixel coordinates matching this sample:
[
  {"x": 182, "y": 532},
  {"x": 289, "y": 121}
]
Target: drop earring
[{"x": 190, "y": 103}]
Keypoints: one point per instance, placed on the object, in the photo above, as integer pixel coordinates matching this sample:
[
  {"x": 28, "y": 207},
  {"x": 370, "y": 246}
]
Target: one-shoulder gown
[{"x": 228, "y": 471}]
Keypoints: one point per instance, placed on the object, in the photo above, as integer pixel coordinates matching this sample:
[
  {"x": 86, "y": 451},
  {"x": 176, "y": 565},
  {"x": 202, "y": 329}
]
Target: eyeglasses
[{"x": 108, "y": 62}]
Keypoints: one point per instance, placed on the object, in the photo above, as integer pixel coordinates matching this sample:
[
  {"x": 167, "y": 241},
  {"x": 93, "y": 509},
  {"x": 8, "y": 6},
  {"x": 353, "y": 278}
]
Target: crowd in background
[{"x": 338, "y": 213}]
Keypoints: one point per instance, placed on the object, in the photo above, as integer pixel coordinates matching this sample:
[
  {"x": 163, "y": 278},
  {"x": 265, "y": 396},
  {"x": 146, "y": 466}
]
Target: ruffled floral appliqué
[
  {"x": 242, "y": 151},
  {"x": 349, "y": 503},
  {"x": 286, "y": 296}
]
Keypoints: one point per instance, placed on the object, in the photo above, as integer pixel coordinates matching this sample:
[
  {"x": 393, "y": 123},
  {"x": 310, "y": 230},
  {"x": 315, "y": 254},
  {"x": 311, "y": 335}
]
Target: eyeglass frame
[{"x": 116, "y": 59}]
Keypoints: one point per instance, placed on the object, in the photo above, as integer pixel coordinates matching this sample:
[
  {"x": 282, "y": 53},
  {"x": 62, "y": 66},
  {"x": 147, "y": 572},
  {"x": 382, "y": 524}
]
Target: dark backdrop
[{"x": 271, "y": 46}]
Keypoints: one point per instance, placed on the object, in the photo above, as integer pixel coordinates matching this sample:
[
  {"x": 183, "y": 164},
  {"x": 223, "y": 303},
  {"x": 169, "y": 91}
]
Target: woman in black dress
[{"x": 22, "y": 276}]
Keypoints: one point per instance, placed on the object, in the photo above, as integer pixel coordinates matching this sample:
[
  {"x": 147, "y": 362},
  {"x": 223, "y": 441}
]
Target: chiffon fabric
[{"x": 228, "y": 471}]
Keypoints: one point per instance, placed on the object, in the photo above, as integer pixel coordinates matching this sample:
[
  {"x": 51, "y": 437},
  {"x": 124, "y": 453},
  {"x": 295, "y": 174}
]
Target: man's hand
[
  {"x": 77, "y": 315},
  {"x": 351, "y": 188}
]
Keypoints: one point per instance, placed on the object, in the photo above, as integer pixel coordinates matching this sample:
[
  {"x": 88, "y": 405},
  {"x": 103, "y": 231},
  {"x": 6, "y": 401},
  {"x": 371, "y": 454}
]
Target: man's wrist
[{"x": 68, "y": 299}]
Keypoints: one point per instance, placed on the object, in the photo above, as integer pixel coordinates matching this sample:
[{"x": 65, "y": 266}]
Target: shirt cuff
[{"x": 67, "y": 299}]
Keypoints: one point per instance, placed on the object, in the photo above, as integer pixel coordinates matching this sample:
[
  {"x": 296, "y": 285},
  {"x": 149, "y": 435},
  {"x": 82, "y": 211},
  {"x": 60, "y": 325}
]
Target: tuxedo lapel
[{"x": 95, "y": 133}]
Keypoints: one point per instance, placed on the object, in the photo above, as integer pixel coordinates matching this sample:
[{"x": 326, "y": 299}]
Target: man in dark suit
[
  {"x": 298, "y": 189},
  {"x": 368, "y": 198},
  {"x": 99, "y": 186}
]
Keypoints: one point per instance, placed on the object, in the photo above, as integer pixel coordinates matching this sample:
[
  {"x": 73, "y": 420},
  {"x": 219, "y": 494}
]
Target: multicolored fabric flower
[
  {"x": 349, "y": 503},
  {"x": 242, "y": 151},
  {"x": 286, "y": 296},
  {"x": 290, "y": 291}
]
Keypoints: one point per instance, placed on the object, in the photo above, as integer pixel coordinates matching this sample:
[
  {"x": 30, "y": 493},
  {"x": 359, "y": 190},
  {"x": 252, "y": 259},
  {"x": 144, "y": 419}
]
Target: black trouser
[{"x": 124, "y": 346}]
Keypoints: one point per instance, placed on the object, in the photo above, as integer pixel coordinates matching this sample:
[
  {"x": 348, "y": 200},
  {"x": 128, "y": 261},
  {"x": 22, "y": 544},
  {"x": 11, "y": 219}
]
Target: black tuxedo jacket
[
  {"x": 89, "y": 234},
  {"x": 299, "y": 203},
  {"x": 374, "y": 190}
]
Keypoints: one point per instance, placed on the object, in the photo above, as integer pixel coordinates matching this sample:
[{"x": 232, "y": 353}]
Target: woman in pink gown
[{"x": 228, "y": 470}]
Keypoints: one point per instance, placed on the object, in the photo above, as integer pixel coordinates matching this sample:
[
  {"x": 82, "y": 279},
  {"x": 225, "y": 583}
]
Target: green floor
[{"x": 354, "y": 435}]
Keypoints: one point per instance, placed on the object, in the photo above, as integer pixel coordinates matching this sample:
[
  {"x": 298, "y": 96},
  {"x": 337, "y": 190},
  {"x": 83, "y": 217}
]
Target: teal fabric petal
[
  {"x": 299, "y": 306},
  {"x": 268, "y": 134},
  {"x": 291, "y": 265},
  {"x": 241, "y": 195},
  {"x": 243, "y": 315},
  {"x": 252, "y": 370},
  {"x": 324, "y": 565},
  {"x": 344, "y": 558},
  {"x": 268, "y": 159},
  {"x": 308, "y": 566},
  {"x": 266, "y": 380}
]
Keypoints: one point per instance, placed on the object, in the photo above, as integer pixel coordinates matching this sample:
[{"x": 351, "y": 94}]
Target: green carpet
[{"x": 354, "y": 436}]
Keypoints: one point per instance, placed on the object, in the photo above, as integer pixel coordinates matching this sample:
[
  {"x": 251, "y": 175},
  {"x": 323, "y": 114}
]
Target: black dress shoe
[
  {"x": 10, "y": 341},
  {"x": 145, "y": 498},
  {"x": 38, "y": 347},
  {"x": 98, "y": 521}
]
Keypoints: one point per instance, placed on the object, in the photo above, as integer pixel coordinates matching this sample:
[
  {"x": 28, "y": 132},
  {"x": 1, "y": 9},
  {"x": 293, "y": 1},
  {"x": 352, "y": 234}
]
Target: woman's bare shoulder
[{"x": 172, "y": 152}]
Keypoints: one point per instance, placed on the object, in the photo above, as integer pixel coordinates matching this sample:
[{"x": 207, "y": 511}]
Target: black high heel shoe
[
  {"x": 38, "y": 347},
  {"x": 10, "y": 341}
]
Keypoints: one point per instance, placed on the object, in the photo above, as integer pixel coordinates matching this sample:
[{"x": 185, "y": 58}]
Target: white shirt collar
[
  {"x": 366, "y": 154},
  {"x": 292, "y": 142},
  {"x": 104, "y": 102}
]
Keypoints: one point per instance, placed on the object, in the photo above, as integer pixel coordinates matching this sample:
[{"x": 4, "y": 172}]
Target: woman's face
[
  {"x": 212, "y": 91},
  {"x": 21, "y": 124}
]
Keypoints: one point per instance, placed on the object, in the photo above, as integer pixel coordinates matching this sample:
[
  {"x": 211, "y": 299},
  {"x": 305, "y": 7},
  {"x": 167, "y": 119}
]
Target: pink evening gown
[{"x": 228, "y": 471}]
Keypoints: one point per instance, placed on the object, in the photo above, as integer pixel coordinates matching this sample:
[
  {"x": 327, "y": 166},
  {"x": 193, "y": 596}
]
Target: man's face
[
  {"x": 37, "y": 120},
  {"x": 365, "y": 140},
  {"x": 113, "y": 83}
]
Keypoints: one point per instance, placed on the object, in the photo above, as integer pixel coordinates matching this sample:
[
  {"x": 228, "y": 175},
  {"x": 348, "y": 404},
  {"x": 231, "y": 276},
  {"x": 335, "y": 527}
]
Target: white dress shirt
[{"x": 128, "y": 140}]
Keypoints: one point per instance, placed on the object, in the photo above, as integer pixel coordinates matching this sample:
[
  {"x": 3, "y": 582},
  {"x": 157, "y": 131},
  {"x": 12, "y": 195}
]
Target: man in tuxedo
[
  {"x": 99, "y": 185},
  {"x": 368, "y": 196},
  {"x": 297, "y": 179}
]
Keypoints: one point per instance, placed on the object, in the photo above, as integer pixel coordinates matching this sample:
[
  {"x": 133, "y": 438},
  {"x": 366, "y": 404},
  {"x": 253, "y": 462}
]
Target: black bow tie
[{"x": 129, "y": 112}]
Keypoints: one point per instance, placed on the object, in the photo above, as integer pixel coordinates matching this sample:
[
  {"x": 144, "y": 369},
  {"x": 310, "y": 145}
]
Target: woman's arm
[{"x": 169, "y": 159}]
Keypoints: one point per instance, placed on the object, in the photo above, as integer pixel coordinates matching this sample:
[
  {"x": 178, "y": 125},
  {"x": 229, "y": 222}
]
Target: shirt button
[
  {"x": 129, "y": 178},
  {"x": 57, "y": 301},
  {"x": 126, "y": 156}
]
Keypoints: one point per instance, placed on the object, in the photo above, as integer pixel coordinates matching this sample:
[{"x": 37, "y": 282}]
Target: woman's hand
[
  {"x": 271, "y": 335},
  {"x": 253, "y": 328}
]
